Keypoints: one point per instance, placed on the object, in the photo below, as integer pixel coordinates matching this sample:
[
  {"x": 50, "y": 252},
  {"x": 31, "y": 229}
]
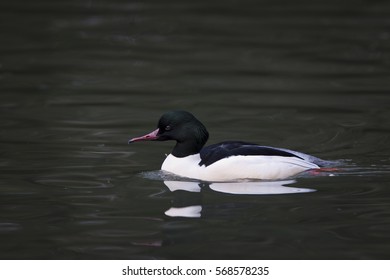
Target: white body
[{"x": 237, "y": 167}]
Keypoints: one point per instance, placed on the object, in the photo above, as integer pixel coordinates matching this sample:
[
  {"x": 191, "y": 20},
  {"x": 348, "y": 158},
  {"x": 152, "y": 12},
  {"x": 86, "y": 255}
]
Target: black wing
[{"x": 215, "y": 152}]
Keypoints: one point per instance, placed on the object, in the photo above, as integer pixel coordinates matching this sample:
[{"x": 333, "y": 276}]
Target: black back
[{"x": 215, "y": 152}]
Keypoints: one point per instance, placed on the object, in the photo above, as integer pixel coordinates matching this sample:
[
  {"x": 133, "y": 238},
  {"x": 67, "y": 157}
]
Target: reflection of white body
[
  {"x": 239, "y": 167},
  {"x": 254, "y": 188},
  {"x": 188, "y": 212},
  {"x": 274, "y": 187}
]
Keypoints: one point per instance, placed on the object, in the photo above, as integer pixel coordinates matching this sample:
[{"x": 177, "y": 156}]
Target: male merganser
[{"x": 225, "y": 161}]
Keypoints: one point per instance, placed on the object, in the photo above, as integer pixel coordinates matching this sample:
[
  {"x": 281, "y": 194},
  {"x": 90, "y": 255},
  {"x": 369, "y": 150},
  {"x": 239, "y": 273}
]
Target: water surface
[{"x": 79, "y": 78}]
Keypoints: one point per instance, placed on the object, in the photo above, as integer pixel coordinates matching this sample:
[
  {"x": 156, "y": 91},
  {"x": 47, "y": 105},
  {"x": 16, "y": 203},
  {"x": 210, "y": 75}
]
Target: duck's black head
[{"x": 188, "y": 132}]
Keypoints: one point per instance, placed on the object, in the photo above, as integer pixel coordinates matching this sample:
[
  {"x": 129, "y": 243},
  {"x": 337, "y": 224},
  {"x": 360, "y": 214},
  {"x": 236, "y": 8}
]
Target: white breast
[{"x": 237, "y": 167}]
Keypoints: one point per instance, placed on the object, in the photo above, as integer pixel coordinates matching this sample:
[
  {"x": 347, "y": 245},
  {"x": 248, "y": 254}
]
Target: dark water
[{"x": 79, "y": 78}]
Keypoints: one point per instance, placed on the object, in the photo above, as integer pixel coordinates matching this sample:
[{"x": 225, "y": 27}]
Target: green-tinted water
[{"x": 79, "y": 78}]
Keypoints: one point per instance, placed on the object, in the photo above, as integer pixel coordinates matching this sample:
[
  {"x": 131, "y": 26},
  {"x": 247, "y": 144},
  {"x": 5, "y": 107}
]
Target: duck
[{"x": 224, "y": 161}]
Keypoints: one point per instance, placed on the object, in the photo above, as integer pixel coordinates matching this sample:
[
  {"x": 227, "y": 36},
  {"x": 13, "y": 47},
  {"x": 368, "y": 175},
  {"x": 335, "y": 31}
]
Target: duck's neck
[
  {"x": 187, "y": 148},
  {"x": 193, "y": 143}
]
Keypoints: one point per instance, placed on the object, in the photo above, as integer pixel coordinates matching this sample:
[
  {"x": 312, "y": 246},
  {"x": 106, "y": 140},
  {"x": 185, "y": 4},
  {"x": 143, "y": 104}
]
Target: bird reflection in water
[{"x": 237, "y": 188}]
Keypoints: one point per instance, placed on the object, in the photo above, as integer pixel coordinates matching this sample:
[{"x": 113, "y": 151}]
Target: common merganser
[{"x": 225, "y": 161}]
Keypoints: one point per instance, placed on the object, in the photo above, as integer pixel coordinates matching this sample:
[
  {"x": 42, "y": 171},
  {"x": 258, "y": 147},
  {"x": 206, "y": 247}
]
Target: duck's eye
[{"x": 168, "y": 128}]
